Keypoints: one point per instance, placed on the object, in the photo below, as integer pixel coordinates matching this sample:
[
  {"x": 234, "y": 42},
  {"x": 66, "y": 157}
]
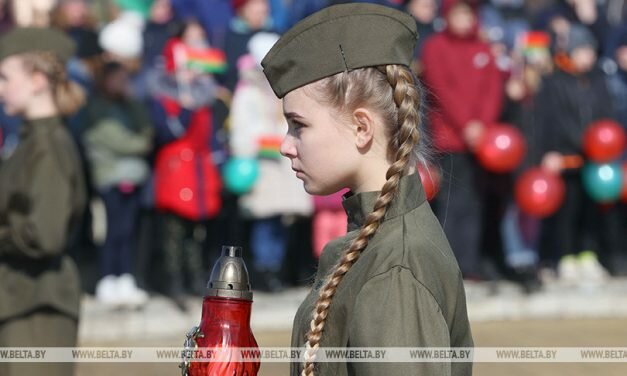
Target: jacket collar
[
  {"x": 359, "y": 206},
  {"x": 39, "y": 125}
]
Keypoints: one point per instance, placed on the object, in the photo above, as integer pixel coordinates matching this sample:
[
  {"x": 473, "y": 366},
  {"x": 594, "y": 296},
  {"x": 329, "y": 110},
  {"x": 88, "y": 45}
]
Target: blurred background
[{"x": 180, "y": 144}]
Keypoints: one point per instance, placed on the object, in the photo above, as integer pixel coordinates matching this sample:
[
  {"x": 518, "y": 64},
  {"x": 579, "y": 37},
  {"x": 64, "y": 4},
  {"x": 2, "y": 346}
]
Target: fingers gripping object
[{"x": 189, "y": 346}]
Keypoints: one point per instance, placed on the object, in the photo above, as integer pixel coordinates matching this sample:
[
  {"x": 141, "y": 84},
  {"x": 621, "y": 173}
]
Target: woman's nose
[{"x": 287, "y": 148}]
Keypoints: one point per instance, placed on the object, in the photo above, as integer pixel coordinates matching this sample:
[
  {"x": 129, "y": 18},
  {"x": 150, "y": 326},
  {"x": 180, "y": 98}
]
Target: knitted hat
[
  {"x": 123, "y": 36},
  {"x": 579, "y": 36},
  {"x": 260, "y": 44}
]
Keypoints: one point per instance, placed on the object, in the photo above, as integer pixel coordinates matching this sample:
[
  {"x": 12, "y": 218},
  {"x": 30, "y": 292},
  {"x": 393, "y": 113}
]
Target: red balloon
[
  {"x": 501, "y": 148},
  {"x": 604, "y": 141},
  {"x": 623, "y": 192},
  {"x": 539, "y": 193},
  {"x": 430, "y": 178}
]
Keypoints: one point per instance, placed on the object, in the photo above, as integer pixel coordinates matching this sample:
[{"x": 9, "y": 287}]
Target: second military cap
[
  {"x": 336, "y": 39},
  {"x": 30, "y": 39}
]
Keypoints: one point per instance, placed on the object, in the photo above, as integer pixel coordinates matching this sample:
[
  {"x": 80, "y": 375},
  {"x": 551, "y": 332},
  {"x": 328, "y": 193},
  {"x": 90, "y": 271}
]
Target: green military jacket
[
  {"x": 405, "y": 290},
  {"x": 42, "y": 194}
]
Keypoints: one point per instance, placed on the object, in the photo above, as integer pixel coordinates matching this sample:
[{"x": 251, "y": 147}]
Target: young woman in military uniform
[
  {"x": 353, "y": 107},
  {"x": 41, "y": 196}
]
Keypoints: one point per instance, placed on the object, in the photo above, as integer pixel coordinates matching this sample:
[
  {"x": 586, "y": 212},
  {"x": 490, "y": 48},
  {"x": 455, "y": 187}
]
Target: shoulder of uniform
[
  {"x": 423, "y": 249},
  {"x": 402, "y": 275},
  {"x": 58, "y": 145}
]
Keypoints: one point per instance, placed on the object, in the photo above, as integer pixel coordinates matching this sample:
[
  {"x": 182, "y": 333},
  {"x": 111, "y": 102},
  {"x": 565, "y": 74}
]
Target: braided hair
[
  {"x": 68, "y": 95},
  {"x": 392, "y": 91}
]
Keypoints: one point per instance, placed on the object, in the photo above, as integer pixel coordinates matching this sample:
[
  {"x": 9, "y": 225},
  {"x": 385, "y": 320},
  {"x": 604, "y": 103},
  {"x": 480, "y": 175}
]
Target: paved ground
[
  {"x": 486, "y": 302},
  {"x": 500, "y": 313},
  {"x": 557, "y": 333}
]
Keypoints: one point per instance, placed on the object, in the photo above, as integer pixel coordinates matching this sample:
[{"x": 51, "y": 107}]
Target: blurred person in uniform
[
  {"x": 572, "y": 97},
  {"x": 117, "y": 140},
  {"x": 257, "y": 128},
  {"x": 467, "y": 91},
  {"x": 41, "y": 200}
]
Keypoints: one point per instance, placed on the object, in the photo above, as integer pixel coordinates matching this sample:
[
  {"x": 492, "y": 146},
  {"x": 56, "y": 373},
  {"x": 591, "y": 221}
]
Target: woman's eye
[{"x": 296, "y": 125}]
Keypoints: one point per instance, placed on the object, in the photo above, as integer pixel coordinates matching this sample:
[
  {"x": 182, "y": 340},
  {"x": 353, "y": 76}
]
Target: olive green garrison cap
[
  {"x": 336, "y": 39},
  {"x": 29, "y": 39}
]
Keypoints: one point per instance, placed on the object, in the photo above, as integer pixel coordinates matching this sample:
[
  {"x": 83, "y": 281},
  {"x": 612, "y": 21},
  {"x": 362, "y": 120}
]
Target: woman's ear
[
  {"x": 40, "y": 82},
  {"x": 364, "y": 124}
]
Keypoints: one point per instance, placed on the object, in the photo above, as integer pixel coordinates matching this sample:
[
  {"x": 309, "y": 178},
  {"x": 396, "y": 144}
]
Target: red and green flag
[{"x": 208, "y": 60}]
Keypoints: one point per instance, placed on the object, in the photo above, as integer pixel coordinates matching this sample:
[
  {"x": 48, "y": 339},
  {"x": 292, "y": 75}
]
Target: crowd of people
[{"x": 176, "y": 92}]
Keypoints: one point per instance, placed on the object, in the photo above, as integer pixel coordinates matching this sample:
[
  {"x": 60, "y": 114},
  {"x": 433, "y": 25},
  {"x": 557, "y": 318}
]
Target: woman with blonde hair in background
[{"x": 42, "y": 198}]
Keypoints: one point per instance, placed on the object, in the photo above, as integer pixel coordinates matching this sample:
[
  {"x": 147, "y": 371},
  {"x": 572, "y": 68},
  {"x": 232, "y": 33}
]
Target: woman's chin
[
  {"x": 317, "y": 190},
  {"x": 310, "y": 188}
]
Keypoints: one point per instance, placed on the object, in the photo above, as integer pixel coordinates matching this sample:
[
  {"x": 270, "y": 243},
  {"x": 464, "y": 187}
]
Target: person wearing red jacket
[
  {"x": 186, "y": 175},
  {"x": 467, "y": 93}
]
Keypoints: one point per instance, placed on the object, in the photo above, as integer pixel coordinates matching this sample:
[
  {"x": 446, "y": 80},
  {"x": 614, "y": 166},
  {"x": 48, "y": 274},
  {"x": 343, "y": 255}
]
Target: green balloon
[
  {"x": 140, "y": 6},
  {"x": 240, "y": 174},
  {"x": 603, "y": 182}
]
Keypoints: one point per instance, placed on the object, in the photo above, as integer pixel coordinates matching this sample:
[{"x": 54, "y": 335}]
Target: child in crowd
[
  {"x": 187, "y": 179},
  {"x": 117, "y": 139}
]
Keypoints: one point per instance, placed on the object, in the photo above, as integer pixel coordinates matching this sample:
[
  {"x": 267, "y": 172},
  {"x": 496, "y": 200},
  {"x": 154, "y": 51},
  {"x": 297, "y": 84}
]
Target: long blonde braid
[{"x": 402, "y": 143}]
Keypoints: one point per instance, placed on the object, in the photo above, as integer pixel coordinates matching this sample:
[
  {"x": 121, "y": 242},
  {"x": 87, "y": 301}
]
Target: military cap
[
  {"x": 336, "y": 39},
  {"x": 29, "y": 39}
]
